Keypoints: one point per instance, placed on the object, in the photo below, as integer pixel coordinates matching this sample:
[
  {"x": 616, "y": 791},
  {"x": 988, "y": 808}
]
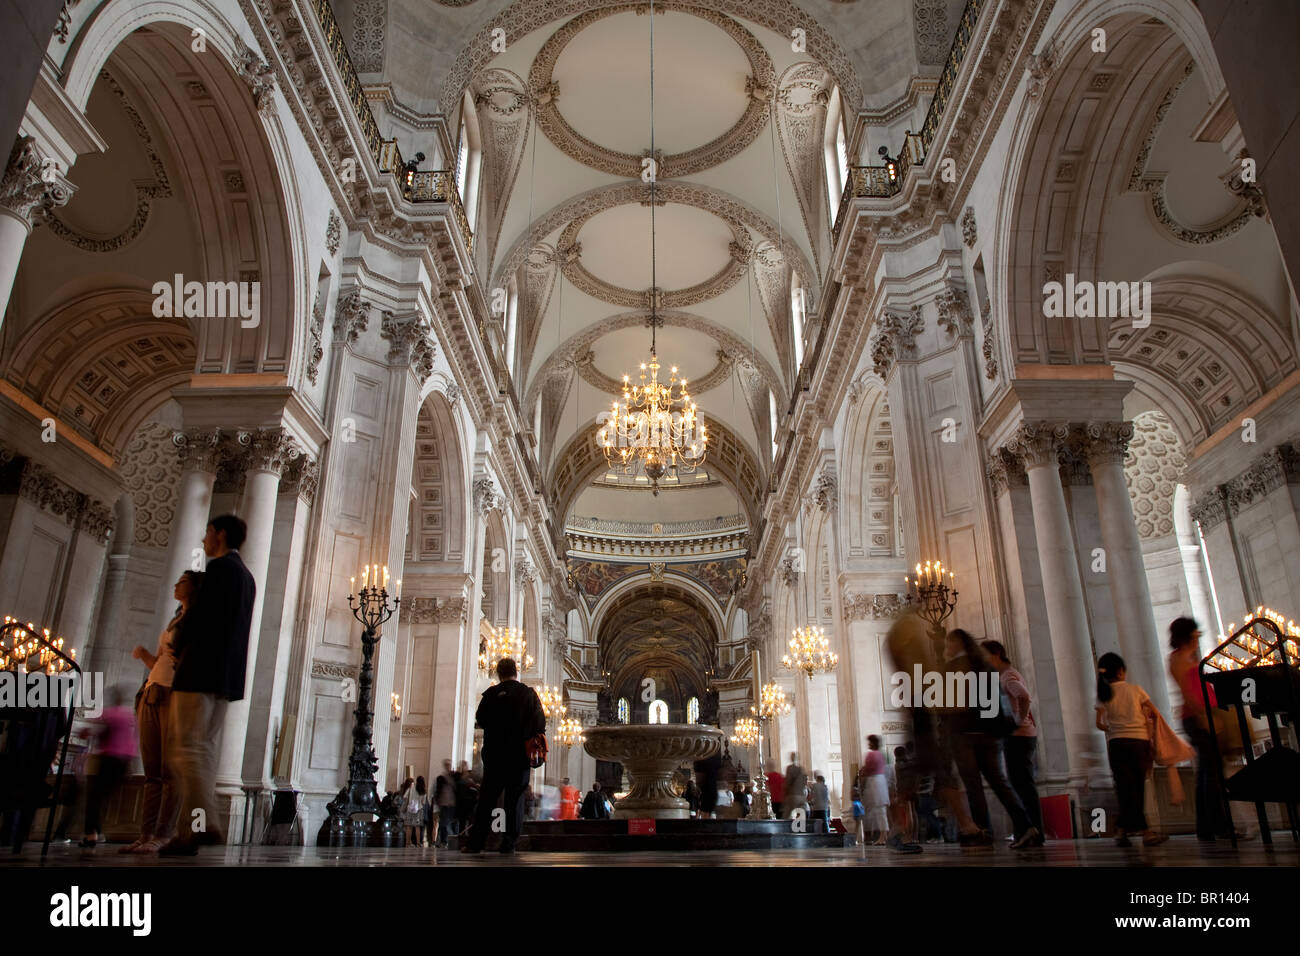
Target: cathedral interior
[{"x": 383, "y": 278}]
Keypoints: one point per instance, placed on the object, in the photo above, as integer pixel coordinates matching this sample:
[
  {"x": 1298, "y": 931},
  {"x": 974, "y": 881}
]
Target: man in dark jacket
[
  {"x": 593, "y": 807},
  {"x": 211, "y": 650},
  {"x": 510, "y": 714}
]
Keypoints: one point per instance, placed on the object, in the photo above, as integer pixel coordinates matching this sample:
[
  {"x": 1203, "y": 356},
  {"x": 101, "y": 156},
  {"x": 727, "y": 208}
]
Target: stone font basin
[{"x": 650, "y": 753}]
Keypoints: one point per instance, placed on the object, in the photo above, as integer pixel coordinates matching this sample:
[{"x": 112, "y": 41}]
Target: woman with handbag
[
  {"x": 1184, "y": 662},
  {"x": 152, "y": 705},
  {"x": 1124, "y": 714}
]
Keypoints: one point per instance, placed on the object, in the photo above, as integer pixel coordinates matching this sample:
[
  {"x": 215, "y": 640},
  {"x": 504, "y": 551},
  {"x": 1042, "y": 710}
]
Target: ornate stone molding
[
  {"x": 861, "y": 607},
  {"x": 351, "y": 316},
  {"x": 525, "y": 571},
  {"x": 1210, "y": 509},
  {"x": 1040, "y": 66},
  {"x": 145, "y": 193},
  {"x": 825, "y": 492},
  {"x": 788, "y": 572},
  {"x": 333, "y": 233},
  {"x": 895, "y": 339},
  {"x": 332, "y": 670},
  {"x": 39, "y": 486},
  {"x": 657, "y": 569},
  {"x": 930, "y": 25},
  {"x": 551, "y": 122},
  {"x": 453, "y": 394},
  {"x": 199, "y": 449},
  {"x": 419, "y": 610},
  {"x": 486, "y": 498},
  {"x": 258, "y": 77},
  {"x": 452, "y": 610},
  {"x": 1265, "y": 474},
  {"x": 315, "y": 348},
  {"x": 1072, "y": 454},
  {"x": 97, "y": 520},
  {"x": 989, "y": 348},
  {"x": 268, "y": 449},
  {"x": 29, "y": 184},
  {"x": 1004, "y": 471},
  {"x": 954, "y": 311},
  {"x": 969, "y": 235},
  {"x": 416, "y": 731}
]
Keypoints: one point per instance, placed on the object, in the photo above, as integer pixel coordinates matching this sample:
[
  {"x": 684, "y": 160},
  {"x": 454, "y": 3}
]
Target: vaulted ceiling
[{"x": 740, "y": 131}]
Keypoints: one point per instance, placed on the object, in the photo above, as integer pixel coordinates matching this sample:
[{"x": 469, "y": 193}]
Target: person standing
[
  {"x": 115, "y": 748},
  {"x": 819, "y": 797},
  {"x": 976, "y": 751},
  {"x": 160, "y": 796},
  {"x": 444, "y": 795},
  {"x": 796, "y": 788},
  {"x": 859, "y": 819},
  {"x": 415, "y": 801},
  {"x": 510, "y": 714},
  {"x": 1184, "y": 661},
  {"x": 594, "y": 806},
  {"x": 874, "y": 791},
  {"x": 1019, "y": 749},
  {"x": 1123, "y": 713},
  {"x": 569, "y": 798},
  {"x": 211, "y": 647}
]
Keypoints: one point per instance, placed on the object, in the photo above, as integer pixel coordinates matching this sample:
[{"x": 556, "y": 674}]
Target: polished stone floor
[{"x": 1178, "y": 852}]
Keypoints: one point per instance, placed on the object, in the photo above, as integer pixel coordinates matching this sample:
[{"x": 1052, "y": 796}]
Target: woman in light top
[
  {"x": 875, "y": 790},
  {"x": 1124, "y": 713},
  {"x": 161, "y": 797}
]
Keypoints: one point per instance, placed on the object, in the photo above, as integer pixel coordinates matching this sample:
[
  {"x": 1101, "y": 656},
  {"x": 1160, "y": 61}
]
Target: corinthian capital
[
  {"x": 268, "y": 449},
  {"x": 32, "y": 182},
  {"x": 410, "y": 342},
  {"x": 1036, "y": 444},
  {"x": 1107, "y": 442},
  {"x": 895, "y": 339},
  {"x": 199, "y": 449}
]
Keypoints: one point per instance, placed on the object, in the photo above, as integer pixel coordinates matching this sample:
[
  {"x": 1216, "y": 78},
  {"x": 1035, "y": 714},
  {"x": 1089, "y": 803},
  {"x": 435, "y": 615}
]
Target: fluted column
[
  {"x": 1037, "y": 445},
  {"x": 485, "y": 500},
  {"x": 267, "y": 452},
  {"x": 199, "y": 451},
  {"x": 1125, "y": 571},
  {"x": 28, "y": 185}
]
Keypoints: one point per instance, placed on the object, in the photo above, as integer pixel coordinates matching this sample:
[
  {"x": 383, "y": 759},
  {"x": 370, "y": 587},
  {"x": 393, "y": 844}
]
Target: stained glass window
[
  {"x": 693, "y": 710},
  {"x": 623, "y": 712}
]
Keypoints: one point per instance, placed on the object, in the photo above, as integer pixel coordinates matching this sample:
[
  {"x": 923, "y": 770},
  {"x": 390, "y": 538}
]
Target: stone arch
[
  {"x": 438, "y": 481},
  {"x": 496, "y": 583},
  {"x": 641, "y": 580},
  {"x": 867, "y": 479},
  {"x": 1213, "y": 351},
  {"x": 1071, "y": 154},
  {"x": 239, "y": 188}
]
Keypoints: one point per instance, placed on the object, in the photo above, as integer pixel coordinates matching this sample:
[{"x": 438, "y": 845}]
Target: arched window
[
  {"x": 798, "y": 308},
  {"x": 836, "y": 147},
  {"x": 624, "y": 712},
  {"x": 658, "y": 712},
  {"x": 469, "y": 155},
  {"x": 693, "y": 710},
  {"x": 771, "y": 412},
  {"x": 512, "y": 329}
]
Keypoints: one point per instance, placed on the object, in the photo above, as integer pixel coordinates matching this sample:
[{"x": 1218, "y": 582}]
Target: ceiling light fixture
[{"x": 656, "y": 429}]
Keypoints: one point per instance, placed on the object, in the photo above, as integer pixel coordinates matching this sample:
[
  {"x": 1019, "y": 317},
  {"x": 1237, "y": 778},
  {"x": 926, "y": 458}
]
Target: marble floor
[{"x": 1178, "y": 852}]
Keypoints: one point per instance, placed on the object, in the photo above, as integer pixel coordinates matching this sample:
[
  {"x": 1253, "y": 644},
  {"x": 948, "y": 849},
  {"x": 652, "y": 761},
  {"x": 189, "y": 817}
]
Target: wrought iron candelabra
[
  {"x": 372, "y": 606},
  {"x": 934, "y": 597}
]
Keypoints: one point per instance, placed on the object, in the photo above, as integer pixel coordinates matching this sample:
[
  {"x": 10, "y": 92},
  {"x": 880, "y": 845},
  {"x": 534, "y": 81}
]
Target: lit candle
[
  {"x": 385, "y": 575},
  {"x": 399, "y": 587},
  {"x": 352, "y": 586}
]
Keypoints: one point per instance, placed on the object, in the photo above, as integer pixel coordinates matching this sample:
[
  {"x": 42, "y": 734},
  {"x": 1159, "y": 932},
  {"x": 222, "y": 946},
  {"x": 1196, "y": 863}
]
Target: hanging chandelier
[
  {"x": 501, "y": 643},
  {"x": 772, "y": 702},
  {"x": 552, "y": 701},
  {"x": 746, "y": 733},
  {"x": 656, "y": 429},
  {"x": 569, "y": 732},
  {"x": 810, "y": 652}
]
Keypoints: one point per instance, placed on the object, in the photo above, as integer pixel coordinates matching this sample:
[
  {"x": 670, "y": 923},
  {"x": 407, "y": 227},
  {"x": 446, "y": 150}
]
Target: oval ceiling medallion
[
  {"x": 757, "y": 93},
  {"x": 732, "y": 271}
]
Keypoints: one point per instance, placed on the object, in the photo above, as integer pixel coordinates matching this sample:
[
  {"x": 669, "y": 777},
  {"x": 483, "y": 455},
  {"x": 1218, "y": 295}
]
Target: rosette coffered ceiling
[{"x": 741, "y": 214}]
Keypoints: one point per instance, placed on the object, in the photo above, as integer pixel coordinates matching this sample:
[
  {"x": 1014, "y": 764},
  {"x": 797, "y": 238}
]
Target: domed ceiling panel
[{"x": 691, "y": 248}]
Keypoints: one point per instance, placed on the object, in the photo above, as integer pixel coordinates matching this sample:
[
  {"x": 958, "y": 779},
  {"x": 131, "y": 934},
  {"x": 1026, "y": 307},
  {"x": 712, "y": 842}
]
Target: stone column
[
  {"x": 1125, "y": 571},
  {"x": 25, "y": 188},
  {"x": 1037, "y": 445},
  {"x": 106, "y": 637},
  {"x": 199, "y": 460},
  {"x": 485, "y": 500},
  {"x": 268, "y": 451}
]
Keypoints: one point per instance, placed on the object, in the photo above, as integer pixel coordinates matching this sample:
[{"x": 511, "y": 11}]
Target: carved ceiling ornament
[
  {"x": 576, "y": 146},
  {"x": 151, "y": 472},
  {"x": 257, "y": 76},
  {"x": 369, "y": 30},
  {"x": 597, "y": 288},
  {"x": 1153, "y": 184},
  {"x": 801, "y": 101},
  {"x": 145, "y": 192},
  {"x": 715, "y": 201},
  {"x": 1153, "y": 467},
  {"x": 930, "y": 23},
  {"x": 526, "y": 16},
  {"x": 560, "y": 363},
  {"x": 504, "y": 118}
]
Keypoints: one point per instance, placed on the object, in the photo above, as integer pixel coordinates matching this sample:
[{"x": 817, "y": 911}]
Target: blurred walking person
[
  {"x": 1021, "y": 746},
  {"x": 115, "y": 746},
  {"x": 874, "y": 788},
  {"x": 1124, "y": 712}
]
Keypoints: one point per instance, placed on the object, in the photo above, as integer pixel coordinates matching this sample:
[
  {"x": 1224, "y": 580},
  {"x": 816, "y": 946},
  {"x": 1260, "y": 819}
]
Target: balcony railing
[
  {"x": 356, "y": 92},
  {"x": 948, "y": 78}
]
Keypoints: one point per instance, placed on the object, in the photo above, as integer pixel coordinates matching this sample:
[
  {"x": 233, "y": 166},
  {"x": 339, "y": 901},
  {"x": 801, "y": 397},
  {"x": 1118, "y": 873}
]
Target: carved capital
[
  {"x": 486, "y": 499},
  {"x": 410, "y": 343},
  {"x": 825, "y": 491},
  {"x": 1107, "y": 442},
  {"x": 268, "y": 449},
  {"x": 301, "y": 477},
  {"x": 351, "y": 316},
  {"x": 453, "y": 394},
  {"x": 895, "y": 339},
  {"x": 1037, "y": 444},
  {"x": 1265, "y": 474},
  {"x": 97, "y": 520},
  {"x": 31, "y": 182},
  {"x": 1004, "y": 471},
  {"x": 1210, "y": 509},
  {"x": 954, "y": 311},
  {"x": 199, "y": 449},
  {"x": 39, "y": 486},
  {"x": 525, "y": 572},
  {"x": 452, "y": 610}
]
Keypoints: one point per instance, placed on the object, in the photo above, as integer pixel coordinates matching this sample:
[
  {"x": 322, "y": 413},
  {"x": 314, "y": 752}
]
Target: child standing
[{"x": 859, "y": 818}]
